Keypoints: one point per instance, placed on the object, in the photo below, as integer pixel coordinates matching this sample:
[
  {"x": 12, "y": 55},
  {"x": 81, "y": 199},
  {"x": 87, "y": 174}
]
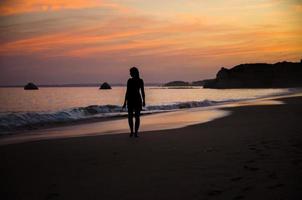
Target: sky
[{"x": 93, "y": 41}]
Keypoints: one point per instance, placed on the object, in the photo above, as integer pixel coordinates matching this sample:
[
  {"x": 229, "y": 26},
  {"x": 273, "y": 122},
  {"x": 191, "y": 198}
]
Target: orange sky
[{"x": 84, "y": 41}]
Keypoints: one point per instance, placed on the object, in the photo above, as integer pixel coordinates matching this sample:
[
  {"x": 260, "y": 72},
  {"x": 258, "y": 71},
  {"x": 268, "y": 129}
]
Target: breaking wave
[{"x": 16, "y": 121}]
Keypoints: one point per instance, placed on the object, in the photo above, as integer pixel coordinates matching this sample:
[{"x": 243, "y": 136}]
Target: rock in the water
[
  {"x": 105, "y": 86},
  {"x": 198, "y": 83},
  {"x": 30, "y": 86},
  {"x": 177, "y": 83}
]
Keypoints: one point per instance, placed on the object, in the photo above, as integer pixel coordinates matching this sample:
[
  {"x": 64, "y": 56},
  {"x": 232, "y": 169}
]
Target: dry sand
[{"x": 255, "y": 153}]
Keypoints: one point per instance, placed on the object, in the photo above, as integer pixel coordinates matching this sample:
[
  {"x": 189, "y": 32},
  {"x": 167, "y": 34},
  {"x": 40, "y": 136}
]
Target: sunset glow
[{"x": 99, "y": 40}]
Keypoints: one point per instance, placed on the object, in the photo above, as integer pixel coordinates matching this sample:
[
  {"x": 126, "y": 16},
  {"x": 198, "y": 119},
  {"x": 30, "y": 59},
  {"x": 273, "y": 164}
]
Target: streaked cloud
[{"x": 14, "y": 7}]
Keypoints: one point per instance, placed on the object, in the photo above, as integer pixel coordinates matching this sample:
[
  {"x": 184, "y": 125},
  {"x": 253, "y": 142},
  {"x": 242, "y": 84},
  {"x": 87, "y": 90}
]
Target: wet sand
[
  {"x": 254, "y": 153},
  {"x": 151, "y": 122}
]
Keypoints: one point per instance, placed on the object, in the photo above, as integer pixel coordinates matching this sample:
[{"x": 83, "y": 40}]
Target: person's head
[{"x": 134, "y": 73}]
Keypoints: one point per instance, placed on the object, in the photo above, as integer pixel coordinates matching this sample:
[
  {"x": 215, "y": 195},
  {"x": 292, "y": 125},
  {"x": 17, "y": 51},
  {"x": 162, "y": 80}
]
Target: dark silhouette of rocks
[
  {"x": 177, "y": 83},
  {"x": 105, "y": 86},
  {"x": 30, "y": 86},
  {"x": 258, "y": 75},
  {"x": 184, "y": 84},
  {"x": 197, "y": 83}
]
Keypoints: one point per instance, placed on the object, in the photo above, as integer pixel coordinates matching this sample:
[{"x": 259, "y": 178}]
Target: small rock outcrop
[
  {"x": 30, "y": 86},
  {"x": 197, "y": 83},
  {"x": 177, "y": 83},
  {"x": 105, "y": 86}
]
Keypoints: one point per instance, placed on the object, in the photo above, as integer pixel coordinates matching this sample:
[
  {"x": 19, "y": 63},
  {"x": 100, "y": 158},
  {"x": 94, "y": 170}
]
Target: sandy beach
[{"x": 253, "y": 153}]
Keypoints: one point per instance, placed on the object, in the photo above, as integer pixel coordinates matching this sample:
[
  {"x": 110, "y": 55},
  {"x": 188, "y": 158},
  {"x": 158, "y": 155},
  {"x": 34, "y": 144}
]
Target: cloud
[
  {"x": 14, "y": 7},
  {"x": 146, "y": 36}
]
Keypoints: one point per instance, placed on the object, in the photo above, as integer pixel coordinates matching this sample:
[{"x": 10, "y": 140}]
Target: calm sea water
[
  {"x": 60, "y": 98},
  {"x": 25, "y": 109}
]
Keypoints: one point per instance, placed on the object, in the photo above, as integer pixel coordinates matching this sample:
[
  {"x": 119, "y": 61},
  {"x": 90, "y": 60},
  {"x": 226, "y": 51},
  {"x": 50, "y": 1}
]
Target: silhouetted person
[{"x": 135, "y": 99}]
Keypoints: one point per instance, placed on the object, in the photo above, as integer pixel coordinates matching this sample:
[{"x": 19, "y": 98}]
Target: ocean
[{"x": 29, "y": 109}]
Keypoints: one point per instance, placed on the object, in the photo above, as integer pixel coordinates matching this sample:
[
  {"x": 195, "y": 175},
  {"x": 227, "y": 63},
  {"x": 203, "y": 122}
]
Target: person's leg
[
  {"x": 137, "y": 121},
  {"x": 130, "y": 120}
]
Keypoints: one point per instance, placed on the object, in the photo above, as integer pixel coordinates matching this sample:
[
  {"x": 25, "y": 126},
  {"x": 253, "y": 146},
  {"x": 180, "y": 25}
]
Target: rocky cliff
[{"x": 258, "y": 75}]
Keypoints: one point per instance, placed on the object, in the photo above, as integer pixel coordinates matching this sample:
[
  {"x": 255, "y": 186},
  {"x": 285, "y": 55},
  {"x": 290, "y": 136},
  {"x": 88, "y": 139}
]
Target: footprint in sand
[
  {"x": 278, "y": 185},
  {"x": 236, "y": 179},
  {"x": 238, "y": 197},
  {"x": 52, "y": 186},
  {"x": 52, "y": 196},
  {"x": 247, "y": 188},
  {"x": 273, "y": 175},
  {"x": 296, "y": 148},
  {"x": 265, "y": 142},
  {"x": 263, "y": 155},
  {"x": 296, "y": 162},
  {"x": 214, "y": 192},
  {"x": 94, "y": 163},
  {"x": 253, "y": 148},
  {"x": 271, "y": 144},
  {"x": 250, "y": 168}
]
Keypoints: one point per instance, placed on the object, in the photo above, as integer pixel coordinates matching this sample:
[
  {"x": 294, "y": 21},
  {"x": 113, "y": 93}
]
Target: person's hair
[{"x": 134, "y": 72}]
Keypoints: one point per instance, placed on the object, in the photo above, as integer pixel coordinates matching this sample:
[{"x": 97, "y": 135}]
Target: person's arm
[
  {"x": 126, "y": 96},
  {"x": 143, "y": 93}
]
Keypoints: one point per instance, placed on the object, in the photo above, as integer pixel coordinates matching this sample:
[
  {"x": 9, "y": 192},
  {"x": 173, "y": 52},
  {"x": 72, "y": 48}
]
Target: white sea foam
[
  {"x": 11, "y": 122},
  {"x": 25, "y": 120}
]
